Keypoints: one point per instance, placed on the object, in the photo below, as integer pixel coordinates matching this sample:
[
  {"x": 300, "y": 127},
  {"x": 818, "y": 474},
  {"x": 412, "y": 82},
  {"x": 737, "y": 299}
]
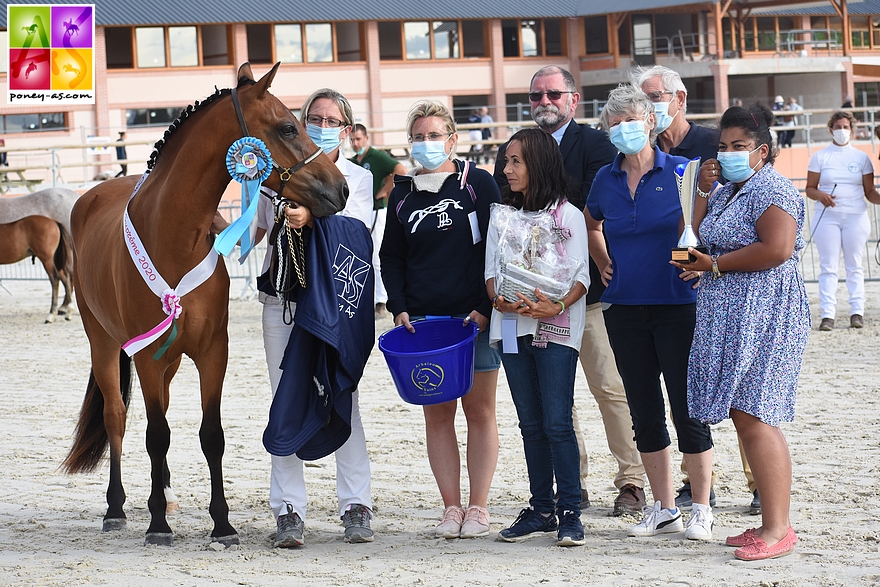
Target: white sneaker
[
  {"x": 700, "y": 524},
  {"x": 658, "y": 521}
]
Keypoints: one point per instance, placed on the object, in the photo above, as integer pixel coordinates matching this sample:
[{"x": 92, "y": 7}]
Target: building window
[
  {"x": 438, "y": 39},
  {"x": 259, "y": 43},
  {"x": 21, "y": 123},
  {"x": 596, "y": 35},
  {"x": 174, "y": 46},
  {"x": 304, "y": 43},
  {"x": 215, "y": 44},
  {"x": 418, "y": 44},
  {"x": 151, "y": 116},
  {"x": 473, "y": 38},
  {"x": 150, "y": 46},
  {"x": 348, "y": 41},
  {"x": 183, "y": 45},
  {"x": 120, "y": 48},
  {"x": 532, "y": 38},
  {"x": 860, "y": 30},
  {"x": 288, "y": 43}
]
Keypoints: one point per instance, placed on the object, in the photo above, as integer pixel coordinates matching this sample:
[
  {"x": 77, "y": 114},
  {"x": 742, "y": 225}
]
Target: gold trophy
[{"x": 686, "y": 178}]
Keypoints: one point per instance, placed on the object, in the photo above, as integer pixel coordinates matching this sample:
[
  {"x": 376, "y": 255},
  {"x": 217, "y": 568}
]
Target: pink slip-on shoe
[
  {"x": 759, "y": 550},
  {"x": 741, "y": 539},
  {"x": 450, "y": 525}
]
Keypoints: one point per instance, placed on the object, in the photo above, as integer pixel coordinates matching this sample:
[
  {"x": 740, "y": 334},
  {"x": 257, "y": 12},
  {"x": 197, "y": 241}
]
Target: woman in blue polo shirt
[{"x": 650, "y": 306}]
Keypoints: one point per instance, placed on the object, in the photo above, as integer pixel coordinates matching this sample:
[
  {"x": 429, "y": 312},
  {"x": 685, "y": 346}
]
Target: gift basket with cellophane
[{"x": 530, "y": 254}]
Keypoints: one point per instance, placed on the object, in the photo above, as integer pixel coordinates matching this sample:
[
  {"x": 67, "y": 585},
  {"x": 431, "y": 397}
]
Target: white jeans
[
  {"x": 378, "y": 231},
  {"x": 837, "y": 231},
  {"x": 288, "y": 484}
]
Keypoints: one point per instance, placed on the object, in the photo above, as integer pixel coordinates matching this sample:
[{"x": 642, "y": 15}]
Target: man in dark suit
[{"x": 554, "y": 98}]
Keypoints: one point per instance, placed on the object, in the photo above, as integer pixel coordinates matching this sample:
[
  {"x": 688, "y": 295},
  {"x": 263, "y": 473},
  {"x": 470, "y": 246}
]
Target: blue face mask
[
  {"x": 661, "y": 113},
  {"x": 360, "y": 151},
  {"x": 430, "y": 154},
  {"x": 735, "y": 165},
  {"x": 325, "y": 137},
  {"x": 629, "y": 137}
]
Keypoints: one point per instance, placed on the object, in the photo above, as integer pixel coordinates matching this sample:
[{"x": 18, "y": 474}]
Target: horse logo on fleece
[{"x": 350, "y": 272}]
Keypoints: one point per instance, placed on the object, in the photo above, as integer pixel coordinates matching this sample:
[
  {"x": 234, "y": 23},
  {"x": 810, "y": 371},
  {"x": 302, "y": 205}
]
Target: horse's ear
[
  {"x": 266, "y": 81},
  {"x": 245, "y": 74}
]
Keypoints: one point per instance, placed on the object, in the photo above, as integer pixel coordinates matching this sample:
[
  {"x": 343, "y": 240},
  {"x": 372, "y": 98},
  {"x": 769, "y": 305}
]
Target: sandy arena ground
[{"x": 50, "y": 523}]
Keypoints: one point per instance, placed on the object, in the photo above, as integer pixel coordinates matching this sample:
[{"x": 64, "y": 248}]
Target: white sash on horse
[{"x": 169, "y": 297}]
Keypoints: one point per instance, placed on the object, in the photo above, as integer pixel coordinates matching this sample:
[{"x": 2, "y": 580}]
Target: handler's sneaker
[
  {"x": 658, "y": 521},
  {"x": 290, "y": 530},
  {"x": 700, "y": 524},
  {"x": 527, "y": 524},
  {"x": 356, "y": 520}
]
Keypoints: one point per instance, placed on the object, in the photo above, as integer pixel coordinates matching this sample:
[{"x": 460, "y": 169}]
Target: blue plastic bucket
[{"x": 434, "y": 365}]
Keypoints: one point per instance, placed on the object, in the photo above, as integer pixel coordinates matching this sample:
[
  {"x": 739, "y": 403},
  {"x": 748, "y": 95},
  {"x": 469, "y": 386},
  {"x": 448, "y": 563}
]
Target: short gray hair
[
  {"x": 547, "y": 70},
  {"x": 671, "y": 80},
  {"x": 625, "y": 100}
]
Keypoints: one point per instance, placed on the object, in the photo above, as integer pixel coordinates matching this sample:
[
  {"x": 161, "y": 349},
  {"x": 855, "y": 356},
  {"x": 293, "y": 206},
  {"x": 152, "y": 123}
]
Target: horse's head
[{"x": 313, "y": 180}]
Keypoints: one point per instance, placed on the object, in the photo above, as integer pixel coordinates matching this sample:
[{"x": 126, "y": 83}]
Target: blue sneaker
[
  {"x": 571, "y": 531},
  {"x": 528, "y": 523}
]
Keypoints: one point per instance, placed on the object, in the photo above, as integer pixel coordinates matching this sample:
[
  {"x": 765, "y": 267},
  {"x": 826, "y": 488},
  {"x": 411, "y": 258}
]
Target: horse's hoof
[
  {"x": 49, "y": 319},
  {"x": 159, "y": 539},
  {"x": 68, "y": 317},
  {"x": 227, "y": 541},
  {"x": 114, "y": 524}
]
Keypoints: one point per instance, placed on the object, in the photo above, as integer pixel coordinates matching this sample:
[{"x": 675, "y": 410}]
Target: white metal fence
[{"x": 244, "y": 276}]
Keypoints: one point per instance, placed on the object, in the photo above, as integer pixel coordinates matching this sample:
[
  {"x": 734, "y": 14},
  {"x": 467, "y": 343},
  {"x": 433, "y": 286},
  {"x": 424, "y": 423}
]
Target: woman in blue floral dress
[{"x": 753, "y": 318}]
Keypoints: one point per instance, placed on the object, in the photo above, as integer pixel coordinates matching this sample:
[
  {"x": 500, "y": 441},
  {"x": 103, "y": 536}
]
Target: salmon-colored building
[{"x": 152, "y": 59}]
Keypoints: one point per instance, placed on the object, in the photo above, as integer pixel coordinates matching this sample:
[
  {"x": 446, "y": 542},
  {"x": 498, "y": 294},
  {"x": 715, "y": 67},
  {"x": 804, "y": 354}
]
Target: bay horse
[
  {"x": 172, "y": 208},
  {"x": 49, "y": 241}
]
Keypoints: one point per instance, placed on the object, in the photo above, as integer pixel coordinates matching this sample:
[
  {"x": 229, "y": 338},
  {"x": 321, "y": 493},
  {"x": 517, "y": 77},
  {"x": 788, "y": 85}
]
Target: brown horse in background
[
  {"x": 47, "y": 240},
  {"x": 172, "y": 213}
]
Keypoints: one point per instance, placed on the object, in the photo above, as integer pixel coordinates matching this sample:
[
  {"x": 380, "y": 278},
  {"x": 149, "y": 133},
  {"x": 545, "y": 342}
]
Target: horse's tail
[
  {"x": 63, "y": 259},
  {"x": 90, "y": 436}
]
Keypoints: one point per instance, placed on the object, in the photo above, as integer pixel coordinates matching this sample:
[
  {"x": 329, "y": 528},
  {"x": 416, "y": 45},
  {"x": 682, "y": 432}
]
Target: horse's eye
[{"x": 288, "y": 131}]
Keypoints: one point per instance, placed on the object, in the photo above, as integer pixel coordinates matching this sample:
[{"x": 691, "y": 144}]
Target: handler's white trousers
[
  {"x": 288, "y": 484},
  {"x": 377, "y": 233},
  {"x": 833, "y": 232}
]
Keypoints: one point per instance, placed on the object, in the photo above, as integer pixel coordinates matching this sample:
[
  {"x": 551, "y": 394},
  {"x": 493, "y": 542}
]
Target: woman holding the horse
[
  {"x": 541, "y": 363},
  {"x": 432, "y": 261},
  {"x": 328, "y": 118},
  {"x": 753, "y": 315}
]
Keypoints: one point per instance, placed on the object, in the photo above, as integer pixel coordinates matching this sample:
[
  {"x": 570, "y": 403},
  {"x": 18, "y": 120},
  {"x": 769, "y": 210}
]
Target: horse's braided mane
[{"x": 184, "y": 115}]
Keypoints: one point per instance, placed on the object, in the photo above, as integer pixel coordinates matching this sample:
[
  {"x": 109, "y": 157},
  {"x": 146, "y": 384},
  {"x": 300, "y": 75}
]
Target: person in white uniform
[
  {"x": 328, "y": 117},
  {"x": 840, "y": 178}
]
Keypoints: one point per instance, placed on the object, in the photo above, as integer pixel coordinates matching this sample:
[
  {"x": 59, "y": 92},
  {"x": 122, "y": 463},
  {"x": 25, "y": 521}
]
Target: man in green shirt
[{"x": 384, "y": 168}]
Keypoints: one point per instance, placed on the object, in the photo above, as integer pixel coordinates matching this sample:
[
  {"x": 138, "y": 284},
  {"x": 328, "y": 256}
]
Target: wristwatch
[{"x": 715, "y": 272}]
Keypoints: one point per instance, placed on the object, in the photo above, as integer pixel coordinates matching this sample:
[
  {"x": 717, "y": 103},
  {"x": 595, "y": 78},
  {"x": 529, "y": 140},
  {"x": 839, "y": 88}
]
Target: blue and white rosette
[{"x": 249, "y": 162}]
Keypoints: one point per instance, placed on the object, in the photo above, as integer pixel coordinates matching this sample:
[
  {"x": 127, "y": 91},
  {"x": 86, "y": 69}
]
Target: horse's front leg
[
  {"x": 212, "y": 370},
  {"x": 151, "y": 375}
]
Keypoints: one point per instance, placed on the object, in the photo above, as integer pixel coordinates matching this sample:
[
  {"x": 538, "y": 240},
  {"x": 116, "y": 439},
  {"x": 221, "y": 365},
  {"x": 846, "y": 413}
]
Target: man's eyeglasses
[
  {"x": 552, "y": 95},
  {"x": 657, "y": 96},
  {"x": 434, "y": 136},
  {"x": 319, "y": 120}
]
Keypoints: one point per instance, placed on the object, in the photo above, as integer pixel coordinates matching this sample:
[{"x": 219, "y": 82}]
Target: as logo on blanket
[{"x": 350, "y": 274}]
